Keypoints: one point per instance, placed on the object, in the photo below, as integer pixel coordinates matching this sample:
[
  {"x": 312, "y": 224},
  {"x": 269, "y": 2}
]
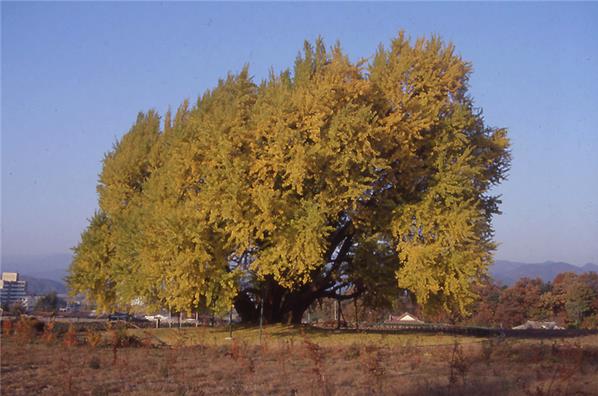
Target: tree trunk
[
  {"x": 283, "y": 305},
  {"x": 280, "y": 306},
  {"x": 245, "y": 307}
]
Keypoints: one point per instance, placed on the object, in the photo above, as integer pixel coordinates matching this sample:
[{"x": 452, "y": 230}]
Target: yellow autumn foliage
[{"x": 336, "y": 175}]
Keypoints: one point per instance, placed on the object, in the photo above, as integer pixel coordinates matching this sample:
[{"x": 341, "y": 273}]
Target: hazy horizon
[
  {"x": 74, "y": 76},
  {"x": 54, "y": 265}
]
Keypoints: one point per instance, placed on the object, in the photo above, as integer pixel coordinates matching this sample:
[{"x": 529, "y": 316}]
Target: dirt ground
[{"x": 71, "y": 365}]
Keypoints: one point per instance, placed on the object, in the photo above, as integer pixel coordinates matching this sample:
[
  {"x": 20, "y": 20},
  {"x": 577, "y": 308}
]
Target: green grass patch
[{"x": 281, "y": 334}]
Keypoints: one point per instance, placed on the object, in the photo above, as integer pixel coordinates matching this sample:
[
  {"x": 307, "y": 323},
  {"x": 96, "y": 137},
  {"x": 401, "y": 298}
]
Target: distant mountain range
[
  {"x": 46, "y": 273},
  {"x": 50, "y": 266},
  {"x": 508, "y": 272},
  {"x": 39, "y": 287},
  {"x": 43, "y": 273}
]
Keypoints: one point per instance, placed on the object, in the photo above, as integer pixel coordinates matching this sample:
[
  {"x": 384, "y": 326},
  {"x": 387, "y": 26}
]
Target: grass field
[
  {"x": 292, "y": 361},
  {"x": 279, "y": 335}
]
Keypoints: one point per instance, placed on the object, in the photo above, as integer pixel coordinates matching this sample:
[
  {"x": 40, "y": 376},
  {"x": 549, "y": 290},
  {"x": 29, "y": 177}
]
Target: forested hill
[
  {"x": 49, "y": 266},
  {"x": 43, "y": 273},
  {"x": 508, "y": 272},
  {"x": 38, "y": 286}
]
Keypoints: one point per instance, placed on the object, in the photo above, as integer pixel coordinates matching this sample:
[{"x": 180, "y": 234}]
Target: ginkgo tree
[{"x": 334, "y": 179}]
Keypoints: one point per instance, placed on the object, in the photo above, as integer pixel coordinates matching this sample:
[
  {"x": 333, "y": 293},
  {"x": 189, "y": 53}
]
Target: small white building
[{"x": 405, "y": 318}]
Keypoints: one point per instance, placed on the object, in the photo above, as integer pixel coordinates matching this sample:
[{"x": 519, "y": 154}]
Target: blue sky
[{"x": 74, "y": 76}]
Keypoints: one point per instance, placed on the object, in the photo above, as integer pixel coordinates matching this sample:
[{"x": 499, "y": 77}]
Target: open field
[
  {"x": 289, "y": 361},
  {"x": 281, "y": 335}
]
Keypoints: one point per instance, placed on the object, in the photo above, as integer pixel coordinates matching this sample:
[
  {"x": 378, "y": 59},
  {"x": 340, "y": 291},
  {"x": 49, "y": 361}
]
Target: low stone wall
[{"x": 390, "y": 328}]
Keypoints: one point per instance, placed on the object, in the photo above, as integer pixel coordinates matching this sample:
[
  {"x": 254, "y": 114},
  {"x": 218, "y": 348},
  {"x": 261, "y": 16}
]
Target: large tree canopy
[{"x": 335, "y": 179}]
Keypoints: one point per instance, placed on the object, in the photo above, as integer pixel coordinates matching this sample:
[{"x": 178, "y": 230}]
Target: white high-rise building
[{"x": 12, "y": 290}]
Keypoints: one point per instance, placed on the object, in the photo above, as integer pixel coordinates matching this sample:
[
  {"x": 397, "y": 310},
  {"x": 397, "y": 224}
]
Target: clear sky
[{"x": 74, "y": 76}]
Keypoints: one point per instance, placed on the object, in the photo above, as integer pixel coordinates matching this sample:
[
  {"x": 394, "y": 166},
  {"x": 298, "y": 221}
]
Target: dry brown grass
[{"x": 299, "y": 363}]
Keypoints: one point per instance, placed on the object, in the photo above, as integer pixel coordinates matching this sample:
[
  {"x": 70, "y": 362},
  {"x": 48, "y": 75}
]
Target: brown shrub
[
  {"x": 371, "y": 362},
  {"x": 7, "y": 327},
  {"x": 26, "y": 329},
  {"x": 314, "y": 353},
  {"x": 352, "y": 352},
  {"x": 49, "y": 337},
  {"x": 70, "y": 338},
  {"x": 93, "y": 338},
  {"x": 458, "y": 366}
]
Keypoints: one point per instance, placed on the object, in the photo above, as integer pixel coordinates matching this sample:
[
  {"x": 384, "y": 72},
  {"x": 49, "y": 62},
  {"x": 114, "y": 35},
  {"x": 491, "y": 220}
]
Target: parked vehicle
[
  {"x": 159, "y": 317},
  {"x": 119, "y": 316}
]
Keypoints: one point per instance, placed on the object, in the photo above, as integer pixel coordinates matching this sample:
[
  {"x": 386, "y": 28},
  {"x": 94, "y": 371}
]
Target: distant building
[
  {"x": 12, "y": 290},
  {"x": 29, "y": 302},
  {"x": 406, "y": 318}
]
